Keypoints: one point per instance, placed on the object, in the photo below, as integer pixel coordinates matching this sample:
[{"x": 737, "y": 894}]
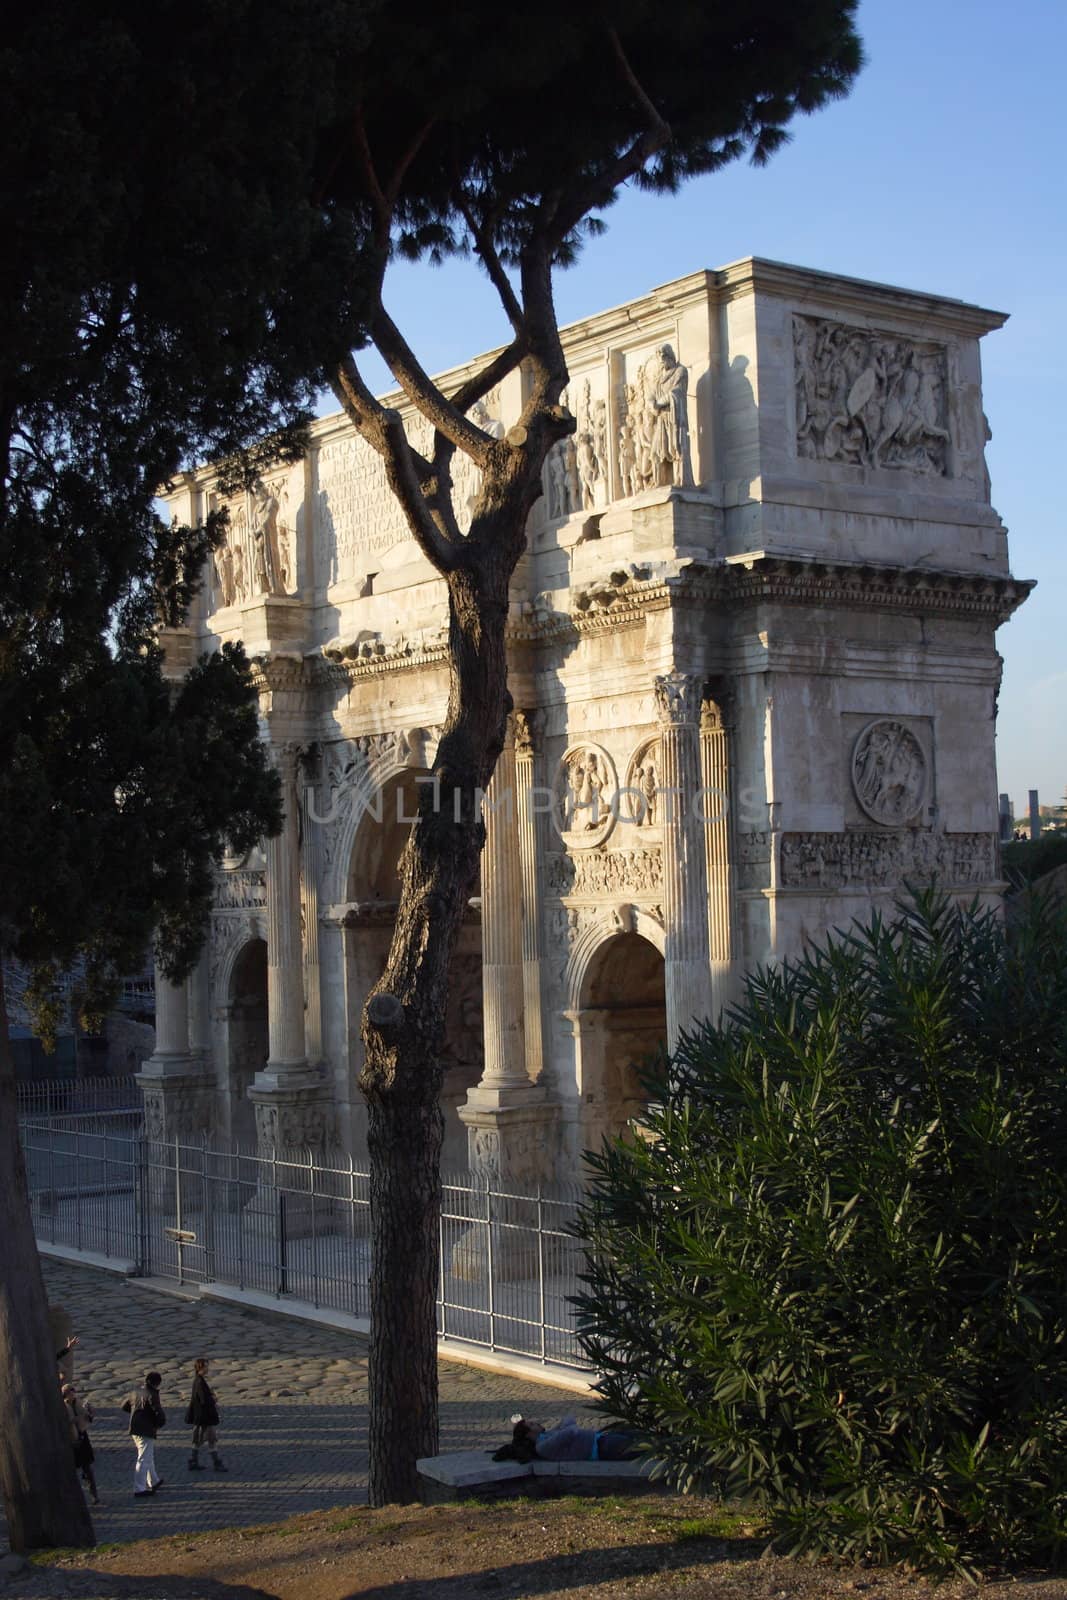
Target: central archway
[
  {"x": 373, "y": 894},
  {"x": 622, "y": 1024}
]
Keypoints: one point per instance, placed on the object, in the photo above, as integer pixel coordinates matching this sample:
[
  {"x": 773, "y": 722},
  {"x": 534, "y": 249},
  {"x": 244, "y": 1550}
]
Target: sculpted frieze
[
  {"x": 600, "y": 873},
  {"x": 871, "y": 399},
  {"x": 257, "y": 556},
  {"x": 241, "y": 890},
  {"x": 878, "y": 859}
]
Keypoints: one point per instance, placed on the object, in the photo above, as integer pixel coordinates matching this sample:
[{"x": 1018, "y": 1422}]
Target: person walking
[
  {"x": 203, "y": 1417},
  {"x": 146, "y": 1418},
  {"x": 80, "y": 1415}
]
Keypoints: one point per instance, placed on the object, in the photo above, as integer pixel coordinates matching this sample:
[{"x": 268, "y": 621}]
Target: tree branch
[
  {"x": 598, "y": 190},
  {"x": 498, "y": 367},
  {"x": 407, "y": 471},
  {"x": 491, "y": 261},
  {"x": 423, "y": 392}
]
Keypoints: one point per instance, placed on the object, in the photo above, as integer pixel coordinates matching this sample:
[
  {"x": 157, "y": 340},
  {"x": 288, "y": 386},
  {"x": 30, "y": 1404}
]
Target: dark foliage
[
  {"x": 835, "y": 1277},
  {"x": 169, "y": 288},
  {"x": 1030, "y": 859}
]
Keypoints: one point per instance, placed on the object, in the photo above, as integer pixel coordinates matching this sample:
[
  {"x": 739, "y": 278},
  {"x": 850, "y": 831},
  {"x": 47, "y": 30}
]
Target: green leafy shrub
[
  {"x": 1031, "y": 859},
  {"x": 833, "y": 1276}
]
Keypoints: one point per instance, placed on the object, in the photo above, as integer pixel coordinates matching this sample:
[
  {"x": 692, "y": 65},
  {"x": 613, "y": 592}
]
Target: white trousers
[{"x": 145, "y": 1476}]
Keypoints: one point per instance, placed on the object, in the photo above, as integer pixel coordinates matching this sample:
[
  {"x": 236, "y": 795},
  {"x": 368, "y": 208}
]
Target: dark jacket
[
  {"x": 203, "y": 1412},
  {"x": 146, "y": 1413}
]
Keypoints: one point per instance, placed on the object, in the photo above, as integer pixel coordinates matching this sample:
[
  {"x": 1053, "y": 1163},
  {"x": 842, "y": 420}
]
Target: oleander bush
[{"x": 832, "y": 1277}]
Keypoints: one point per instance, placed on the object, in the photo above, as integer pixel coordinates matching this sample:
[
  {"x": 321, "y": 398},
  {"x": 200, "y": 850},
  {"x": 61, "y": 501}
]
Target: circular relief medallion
[
  {"x": 889, "y": 772},
  {"x": 642, "y": 798},
  {"x": 586, "y": 796}
]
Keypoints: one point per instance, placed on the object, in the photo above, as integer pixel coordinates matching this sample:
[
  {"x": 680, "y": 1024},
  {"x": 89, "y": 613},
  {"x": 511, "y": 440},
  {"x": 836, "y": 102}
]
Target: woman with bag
[{"x": 203, "y": 1417}]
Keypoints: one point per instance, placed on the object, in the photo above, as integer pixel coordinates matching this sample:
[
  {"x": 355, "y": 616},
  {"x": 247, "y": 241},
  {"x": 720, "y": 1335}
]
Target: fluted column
[
  {"x": 502, "y": 941},
  {"x": 285, "y": 956},
  {"x": 718, "y": 834},
  {"x": 685, "y": 877},
  {"x": 508, "y": 1119},
  {"x": 530, "y": 862},
  {"x": 309, "y": 895}
]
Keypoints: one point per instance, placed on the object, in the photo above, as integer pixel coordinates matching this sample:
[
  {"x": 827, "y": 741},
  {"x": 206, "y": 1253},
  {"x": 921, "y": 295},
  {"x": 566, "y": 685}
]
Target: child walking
[
  {"x": 203, "y": 1417},
  {"x": 80, "y": 1415}
]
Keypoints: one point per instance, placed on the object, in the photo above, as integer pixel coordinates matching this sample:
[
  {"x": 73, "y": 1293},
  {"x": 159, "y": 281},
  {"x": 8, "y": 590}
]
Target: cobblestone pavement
[{"x": 293, "y": 1399}]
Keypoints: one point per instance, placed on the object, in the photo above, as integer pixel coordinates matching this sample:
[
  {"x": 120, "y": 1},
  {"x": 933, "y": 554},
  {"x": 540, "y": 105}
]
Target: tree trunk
[
  {"x": 404, "y": 1023},
  {"x": 38, "y": 1480}
]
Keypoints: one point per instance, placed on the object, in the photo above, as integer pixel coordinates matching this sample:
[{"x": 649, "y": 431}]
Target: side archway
[{"x": 621, "y": 1013}]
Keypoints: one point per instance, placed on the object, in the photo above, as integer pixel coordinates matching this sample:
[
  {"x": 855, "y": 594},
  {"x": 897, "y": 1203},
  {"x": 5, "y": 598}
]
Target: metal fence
[
  {"x": 296, "y": 1226},
  {"x": 78, "y": 1097}
]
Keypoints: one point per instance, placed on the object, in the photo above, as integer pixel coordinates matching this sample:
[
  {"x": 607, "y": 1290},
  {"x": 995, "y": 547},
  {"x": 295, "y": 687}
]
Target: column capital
[{"x": 678, "y": 699}]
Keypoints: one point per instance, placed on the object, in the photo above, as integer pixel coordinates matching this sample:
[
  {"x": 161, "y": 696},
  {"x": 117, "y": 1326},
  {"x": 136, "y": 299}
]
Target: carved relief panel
[
  {"x": 870, "y": 399},
  {"x": 653, "y": 430},
  {"x": 258, "y": 555},
  {"x": 643, "y": 804},
  {"x": 890, "y": 770},
  {"x": 585, "y": 796}
]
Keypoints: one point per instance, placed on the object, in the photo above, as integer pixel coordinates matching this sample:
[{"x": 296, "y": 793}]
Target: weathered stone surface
[{"x": 754, "y": 646}]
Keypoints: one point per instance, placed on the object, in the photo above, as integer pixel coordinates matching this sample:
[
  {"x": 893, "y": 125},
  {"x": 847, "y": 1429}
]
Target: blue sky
[{"x": 945, "y": 170}]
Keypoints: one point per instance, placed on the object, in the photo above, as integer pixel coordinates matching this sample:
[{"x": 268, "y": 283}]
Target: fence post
[
  {"x": 541, "y": 1264},
  {"x": 77, "y": 1187},
  {"x": 442, "y": 1297},
  {"x": 314, "y": 1231},
  {"x": 179, "y": 1248},
  {"x": 283, "y": 1270},
  {"x": 490, "y": 1261}
]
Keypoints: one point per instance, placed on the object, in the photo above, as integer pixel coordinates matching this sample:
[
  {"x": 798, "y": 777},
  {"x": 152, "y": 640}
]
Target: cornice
[
  {"x": 761, "y": 578},
  {"x": 829, "y": 292}
]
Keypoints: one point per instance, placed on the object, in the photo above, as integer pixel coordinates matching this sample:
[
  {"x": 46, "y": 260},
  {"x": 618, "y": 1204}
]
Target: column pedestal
[{"x": 512, "y": 1133}]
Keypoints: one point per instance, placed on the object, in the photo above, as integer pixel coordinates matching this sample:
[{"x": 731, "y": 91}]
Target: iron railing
[{"x": 295, "y": 1225}]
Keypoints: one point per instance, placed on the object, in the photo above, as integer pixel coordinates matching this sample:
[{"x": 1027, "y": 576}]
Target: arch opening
[
  {"x": 248, "y": 1044},
  {"x": 623, "y": 1024}
]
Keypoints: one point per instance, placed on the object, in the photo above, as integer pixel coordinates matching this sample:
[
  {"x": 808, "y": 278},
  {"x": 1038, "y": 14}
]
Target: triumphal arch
[{"x": 752, "y": 652}]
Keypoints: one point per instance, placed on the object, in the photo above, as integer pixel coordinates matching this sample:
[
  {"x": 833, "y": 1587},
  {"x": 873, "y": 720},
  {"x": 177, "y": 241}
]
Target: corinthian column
[
  {"x": 718, "y": 833},
  {"x": 685, "y": 877},
  {"x": 289, "y": 1095},
  {"x": 529, "y": 857},
  {"x": 502, "y": 952},
  {"x": 507, "y": 1117}
]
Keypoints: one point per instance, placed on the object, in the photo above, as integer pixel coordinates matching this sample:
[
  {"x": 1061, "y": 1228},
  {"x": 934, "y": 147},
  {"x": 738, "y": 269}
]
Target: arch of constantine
[{"x": 752, "y": 648}]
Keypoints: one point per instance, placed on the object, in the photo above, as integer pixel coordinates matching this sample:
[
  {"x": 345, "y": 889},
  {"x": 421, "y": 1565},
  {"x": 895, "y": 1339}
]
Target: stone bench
[{"x": 474, "y": 1475}]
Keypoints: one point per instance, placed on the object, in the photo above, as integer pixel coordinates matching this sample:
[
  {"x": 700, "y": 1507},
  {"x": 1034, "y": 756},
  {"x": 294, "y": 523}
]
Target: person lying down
[{"x": 566, "y": 1442}]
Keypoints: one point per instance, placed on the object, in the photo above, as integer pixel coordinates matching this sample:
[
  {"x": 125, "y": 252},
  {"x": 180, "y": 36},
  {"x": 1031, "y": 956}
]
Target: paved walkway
[{"x": 293, "y": 1398}]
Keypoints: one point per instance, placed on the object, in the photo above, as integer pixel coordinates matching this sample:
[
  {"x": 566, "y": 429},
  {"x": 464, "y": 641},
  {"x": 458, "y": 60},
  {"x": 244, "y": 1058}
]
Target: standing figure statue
[
  {"x": 668, "y": 392},
  {"x": 264, "y": 511}
]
